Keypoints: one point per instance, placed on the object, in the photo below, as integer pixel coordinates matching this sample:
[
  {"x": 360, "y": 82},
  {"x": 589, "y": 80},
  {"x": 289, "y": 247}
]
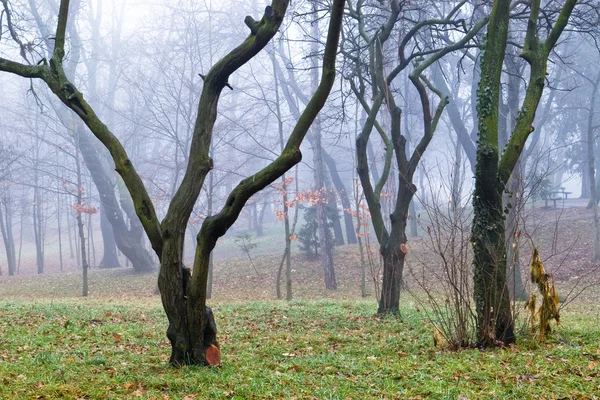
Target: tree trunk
[
  {"x": 391, "y": 250},
  {"x": 84, "y": 263},
  {"x": 393, "y": 267},
  {"x": 512, "y": 202},
  {"x": 494, "y": 318},
  {"x": 37, "y": 228},
  {"x": 585, "y": 177},
  {"x": 338, "y": 236},
  {"x": 326, "y": 242},
  {"x": 343, "y": 193},
  {"x": 110, "y": 257},
  {"x": 7, "y": 236},
  {"x": 261, "y": 216},
  {"x": 591, "y": 163},
  {"x": 412, "y": 212},
  {"x": 127, "y": 240},
  {"x": 59, "y": 227},
  {"x": 192, "y": 328},
  {"x": 512, "y": 199}
]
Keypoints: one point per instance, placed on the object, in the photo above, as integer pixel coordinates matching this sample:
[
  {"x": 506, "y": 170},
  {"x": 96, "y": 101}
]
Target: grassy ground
[
  {"x": 319, "y": 349},
  {"x": 54, "y": 344},
  {"x": 112, "y": 345}
]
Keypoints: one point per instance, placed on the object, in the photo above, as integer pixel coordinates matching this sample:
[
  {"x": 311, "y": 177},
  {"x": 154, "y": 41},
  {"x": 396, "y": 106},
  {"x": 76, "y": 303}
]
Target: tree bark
[
  {"x": 393, "y": 263},
  {"x": 512, "y": 199}
]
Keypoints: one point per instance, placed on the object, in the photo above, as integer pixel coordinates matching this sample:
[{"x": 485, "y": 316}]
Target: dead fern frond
[{"x": 548, "y": 309}]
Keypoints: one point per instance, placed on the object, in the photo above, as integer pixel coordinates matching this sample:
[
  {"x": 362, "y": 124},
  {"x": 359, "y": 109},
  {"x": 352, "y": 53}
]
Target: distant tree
[
  {"x": 309, "y": 233},
  {"x": 367, "y": 57}
]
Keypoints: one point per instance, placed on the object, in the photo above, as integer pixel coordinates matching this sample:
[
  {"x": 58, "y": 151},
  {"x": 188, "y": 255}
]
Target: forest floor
[{"x": 324, "y": 344}]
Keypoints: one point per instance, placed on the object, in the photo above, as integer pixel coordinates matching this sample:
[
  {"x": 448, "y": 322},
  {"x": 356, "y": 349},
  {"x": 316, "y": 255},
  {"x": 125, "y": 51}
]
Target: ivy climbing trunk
[{"x": 494, "y": 317}]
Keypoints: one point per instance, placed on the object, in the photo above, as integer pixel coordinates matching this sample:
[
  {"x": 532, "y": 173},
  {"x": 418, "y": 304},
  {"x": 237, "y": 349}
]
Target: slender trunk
[
  {"x": 210, "y": 201},
  {"x": 71, "y": 253},
  {"x": 512, "y": 201},
  {"x": 77, "y": 243},
  {"x": 325, "y": 239},
  {"x": 591, "y": 163},
  {"x": 37, "y": 227},
  {"x": 359, "y": 236},
  {"x": 585, "y": 176},
  {"x": 412, "y": 212},
  {"x": 59, "y": 228},
  {"x": 84, "y": 263},
  {"x": 91, "y": 243},
  {"x": 7, "y": 236},
  {"x": 514, "y": 192},
  {"x": 338, "y": 183},
  {"x": 21, "y": 238},
  {"x": 338, "y": 236}
]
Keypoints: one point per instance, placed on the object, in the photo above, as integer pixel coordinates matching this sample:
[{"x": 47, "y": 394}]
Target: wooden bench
[{"x": 555, "y": 195}]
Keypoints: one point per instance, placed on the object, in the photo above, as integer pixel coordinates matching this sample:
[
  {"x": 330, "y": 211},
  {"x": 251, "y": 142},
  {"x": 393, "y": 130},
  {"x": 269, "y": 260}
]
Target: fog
[{"x": 142, "y": 66}]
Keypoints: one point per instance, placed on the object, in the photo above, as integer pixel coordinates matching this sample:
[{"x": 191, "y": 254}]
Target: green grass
[{"x": 338, "y": 349}]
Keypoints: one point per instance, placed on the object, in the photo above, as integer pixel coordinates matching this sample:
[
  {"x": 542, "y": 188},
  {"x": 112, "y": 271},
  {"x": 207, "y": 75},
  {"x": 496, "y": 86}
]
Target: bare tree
[{"x": 192, "y": 329}]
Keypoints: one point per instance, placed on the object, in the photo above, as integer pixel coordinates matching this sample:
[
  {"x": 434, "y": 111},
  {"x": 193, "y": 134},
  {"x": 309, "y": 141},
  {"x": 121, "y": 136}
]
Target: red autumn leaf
[{"x": 213, "y": 355}]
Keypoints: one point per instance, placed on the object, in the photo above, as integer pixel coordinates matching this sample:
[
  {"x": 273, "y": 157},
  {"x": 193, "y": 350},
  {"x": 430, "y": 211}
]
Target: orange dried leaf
[{"x": 213, "y": 355}]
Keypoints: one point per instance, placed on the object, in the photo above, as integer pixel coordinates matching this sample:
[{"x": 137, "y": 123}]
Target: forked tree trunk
[
  {"x": 191, "y": 327},
  {"x": 494, "y": 318}
]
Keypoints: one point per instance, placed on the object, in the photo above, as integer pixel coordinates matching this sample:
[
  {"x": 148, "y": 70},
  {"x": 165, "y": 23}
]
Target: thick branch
[
  {"x": 537, "y": 57},
  {"x": 560, "y": 25},
  {"x": 362, "y": 170},
  {"x": 26, "y": 71},
  {"x": 199, "y": 162},
  {"x": 429, "y": 121},
  {"x": 61, "y": 28},
  {"x": 216, "y": 226}
]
